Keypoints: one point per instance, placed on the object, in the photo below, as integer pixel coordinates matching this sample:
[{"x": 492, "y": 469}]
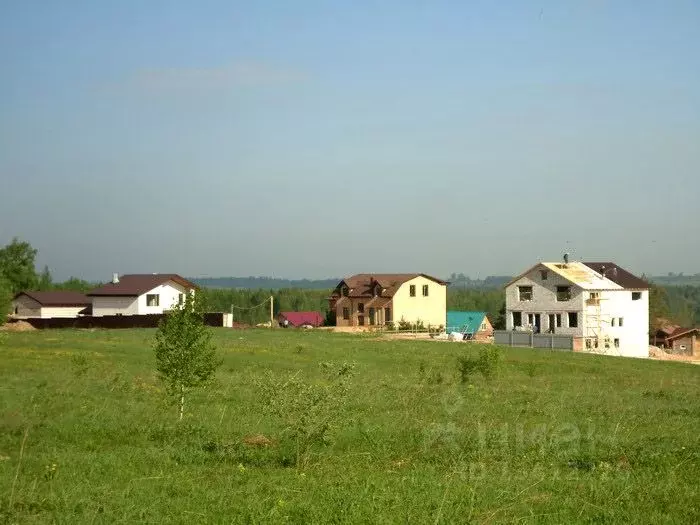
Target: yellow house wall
[{"x": 431, "y": 310}]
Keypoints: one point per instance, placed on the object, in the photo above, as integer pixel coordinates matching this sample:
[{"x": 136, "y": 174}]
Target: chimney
[
  {"x": 566, "y": 258},
  {"x": 115, "y": 278},
  {"x": 602, "y": 271}
]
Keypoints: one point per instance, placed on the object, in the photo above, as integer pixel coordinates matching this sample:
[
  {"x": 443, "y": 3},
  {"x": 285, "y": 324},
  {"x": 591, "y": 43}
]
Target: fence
[
  {"x": 118, "y": 321},
  {"x": 533, "y": 340}
]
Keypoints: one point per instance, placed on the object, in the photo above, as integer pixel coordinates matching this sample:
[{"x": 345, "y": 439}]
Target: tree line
[{"x": 250, "y": 305}]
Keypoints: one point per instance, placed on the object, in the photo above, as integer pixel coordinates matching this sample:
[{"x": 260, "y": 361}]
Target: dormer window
[{"x": 344, "y": 291}]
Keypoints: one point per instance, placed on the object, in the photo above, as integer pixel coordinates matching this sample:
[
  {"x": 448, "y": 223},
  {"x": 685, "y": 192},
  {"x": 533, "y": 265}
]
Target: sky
[{"x": 319, "y": 139}]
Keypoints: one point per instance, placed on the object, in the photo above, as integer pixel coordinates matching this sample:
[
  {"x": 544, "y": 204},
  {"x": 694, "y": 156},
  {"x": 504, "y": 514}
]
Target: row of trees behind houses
[{"x": 680, "y": 304}]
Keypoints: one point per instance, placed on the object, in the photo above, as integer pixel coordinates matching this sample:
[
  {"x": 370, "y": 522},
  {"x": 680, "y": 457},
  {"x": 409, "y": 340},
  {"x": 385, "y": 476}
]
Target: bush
[
  {"x": 466, "y": 367},
  {"x": 489, "y": 360},
  {"x": 487, "y": 363},
  {"x": 309, "y": 411}
]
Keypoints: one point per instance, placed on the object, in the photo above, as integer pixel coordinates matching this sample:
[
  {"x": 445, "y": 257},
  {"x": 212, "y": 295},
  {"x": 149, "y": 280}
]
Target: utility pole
[{"x": 272, "y": 300}]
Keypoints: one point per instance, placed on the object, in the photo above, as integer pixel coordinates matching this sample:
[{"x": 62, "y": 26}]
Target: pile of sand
[
  {"x": 17, "y": 326},
  {"x": 660, "y": 354}
]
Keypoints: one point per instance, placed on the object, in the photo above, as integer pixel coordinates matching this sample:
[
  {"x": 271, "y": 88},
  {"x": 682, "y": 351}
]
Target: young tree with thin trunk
[{"x": 185, "y": 355}]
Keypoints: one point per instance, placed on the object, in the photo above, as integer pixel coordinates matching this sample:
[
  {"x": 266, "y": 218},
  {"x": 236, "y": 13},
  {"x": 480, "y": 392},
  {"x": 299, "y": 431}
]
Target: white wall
[
  {"x": 108, "y": 305},
  {"x": 168, "y": 298},
  {"x": 544, "y": 302},
  {"x": 633, "y": 335},
  {"x": 61, "y": 311}
]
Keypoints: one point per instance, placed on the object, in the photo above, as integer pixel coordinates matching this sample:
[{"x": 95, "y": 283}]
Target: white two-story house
[
  {"x": 604, "y": 307},
  {"x": 140, "y": 294}
]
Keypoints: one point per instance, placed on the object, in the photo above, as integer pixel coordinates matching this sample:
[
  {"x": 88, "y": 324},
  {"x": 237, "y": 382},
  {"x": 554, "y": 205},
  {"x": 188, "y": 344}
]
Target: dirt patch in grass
[{"x": 17, "y": 326}]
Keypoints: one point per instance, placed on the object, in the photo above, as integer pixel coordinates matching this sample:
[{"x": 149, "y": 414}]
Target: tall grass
[{"x": 551, "y": 438}]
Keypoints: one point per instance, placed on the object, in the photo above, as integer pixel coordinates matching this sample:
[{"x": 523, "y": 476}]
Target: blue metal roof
[{"x": 464, "y": 322}]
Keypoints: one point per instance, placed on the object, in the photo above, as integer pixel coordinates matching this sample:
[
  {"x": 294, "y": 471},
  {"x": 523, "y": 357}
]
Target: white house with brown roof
[
  {"x": 57, "y": 303},
  {"x": 377, "y": 299},
  {"x": 140, "y": 294},
  {"x": 604, "y": 307}
]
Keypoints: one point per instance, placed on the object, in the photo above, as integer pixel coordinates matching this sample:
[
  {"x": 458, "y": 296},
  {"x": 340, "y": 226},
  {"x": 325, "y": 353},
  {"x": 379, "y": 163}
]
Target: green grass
[{"x": 554, "y": 437}]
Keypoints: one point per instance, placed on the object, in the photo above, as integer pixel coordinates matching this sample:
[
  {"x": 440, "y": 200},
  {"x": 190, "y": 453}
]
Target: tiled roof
[
  {"x": 137, "y": 284},
  {"x": 362, "y": 284}
]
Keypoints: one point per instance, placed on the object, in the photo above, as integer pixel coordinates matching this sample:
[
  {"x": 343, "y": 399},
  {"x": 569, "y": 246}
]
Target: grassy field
[{"x": 554, "y": 437}]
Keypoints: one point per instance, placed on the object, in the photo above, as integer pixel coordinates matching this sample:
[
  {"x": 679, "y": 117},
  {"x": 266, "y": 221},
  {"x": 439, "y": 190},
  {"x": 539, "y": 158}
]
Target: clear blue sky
[{"x": 314, "y": 139}]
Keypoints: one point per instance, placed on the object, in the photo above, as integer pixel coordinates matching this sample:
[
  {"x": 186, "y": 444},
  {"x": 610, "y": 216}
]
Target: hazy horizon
[{"x": 312, "y": 140}]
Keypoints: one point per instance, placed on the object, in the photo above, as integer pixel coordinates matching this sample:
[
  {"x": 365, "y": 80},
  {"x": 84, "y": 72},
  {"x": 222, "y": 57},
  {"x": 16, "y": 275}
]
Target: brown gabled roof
[
  {"x": 137, "y": 284},
  {"x": 57, "y": 298},
  {"x": 619, "y": 275},
  {"x": 361, "y": 284},
  {"x": 678, "y": 332}
]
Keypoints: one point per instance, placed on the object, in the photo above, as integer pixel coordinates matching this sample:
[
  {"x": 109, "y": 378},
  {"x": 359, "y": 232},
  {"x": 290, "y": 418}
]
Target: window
[
  {"x": 573, "y": 319},
  {"x": 425, "y": 290},
  {"x": 387, "y": 315},
  {"x": 361, "y": 320},
  {"x": 589, "y": 344},
  {"x": 617, "y": 343},
  {"x": 371, "y": 316},
  {"x": 636, "y": 296},
  {"x": 345, "y": 291},
  {"x": 525, "y": 293},
  {"x": 594, "y": 296},
  {"x": 152, "y": 299},
  {"x": 558, "y": 320},
  {"x": 563, "y": 293},
  {"x": 361, "y": 307},
  {"x": 544, "y": 274},
  {"x": 483, "y": 327},
  {"x": 346, "y": 313},
  {"x": 614, "y": 320},
  {"x": 530, "y": 319},
  {"x": 619, "y": 321},
  {"x": 412, "y": 290},
  {"x": 517, "y": 319},
  {"x": 180, "y": 298}
]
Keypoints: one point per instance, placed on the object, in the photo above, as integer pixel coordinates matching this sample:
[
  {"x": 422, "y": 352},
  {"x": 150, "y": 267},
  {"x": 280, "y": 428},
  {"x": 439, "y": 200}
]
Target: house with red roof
[
  {"x": 140, "y": 294},
  {"x": 299, "y": 319}
]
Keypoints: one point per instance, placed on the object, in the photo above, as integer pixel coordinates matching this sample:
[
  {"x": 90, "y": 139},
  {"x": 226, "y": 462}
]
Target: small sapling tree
[{"x": 185, "y": 355}]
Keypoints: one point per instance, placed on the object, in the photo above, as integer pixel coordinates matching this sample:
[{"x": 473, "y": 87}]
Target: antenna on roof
[{"x": 115, "y": 278}]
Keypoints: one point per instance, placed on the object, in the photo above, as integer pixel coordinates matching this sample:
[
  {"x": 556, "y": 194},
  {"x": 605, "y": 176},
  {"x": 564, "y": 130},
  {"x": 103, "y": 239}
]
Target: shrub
[
  {"x": 309, "y": 411},
  {"x": 466, "y": 367},
  {"x": 489, "y": 360},
  {"x": 487, "y": 363},
  {"x": 404, "y": 325}
]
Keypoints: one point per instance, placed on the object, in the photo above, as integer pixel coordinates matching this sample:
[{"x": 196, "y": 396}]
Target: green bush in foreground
[
  {"x": 309, "y": 411},
  {"x": 487, "y": 363}
]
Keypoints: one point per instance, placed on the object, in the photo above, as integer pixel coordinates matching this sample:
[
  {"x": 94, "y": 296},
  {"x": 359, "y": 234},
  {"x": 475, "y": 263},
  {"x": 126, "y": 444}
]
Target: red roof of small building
[
  {"x": 137, "y": 284},
  {"x": 57, "y": 298},
  {"x": 302, "y": 318}
]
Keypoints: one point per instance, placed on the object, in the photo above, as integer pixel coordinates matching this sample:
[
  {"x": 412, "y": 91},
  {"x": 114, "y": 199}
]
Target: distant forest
[
  {"x": 249, "y": 298},
  {"x": 456, "y": 280}
]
